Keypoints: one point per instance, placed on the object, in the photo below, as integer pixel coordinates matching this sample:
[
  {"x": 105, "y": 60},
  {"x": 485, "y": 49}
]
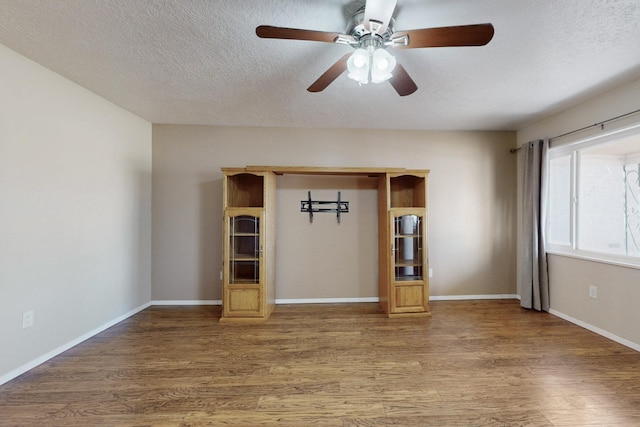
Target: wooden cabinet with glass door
[
  {"x": 248, "y": 288},
  {"x": 403, "y": 255}
]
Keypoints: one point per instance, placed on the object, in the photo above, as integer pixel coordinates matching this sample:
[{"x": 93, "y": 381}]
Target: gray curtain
[{"x": 534, "y": 281}]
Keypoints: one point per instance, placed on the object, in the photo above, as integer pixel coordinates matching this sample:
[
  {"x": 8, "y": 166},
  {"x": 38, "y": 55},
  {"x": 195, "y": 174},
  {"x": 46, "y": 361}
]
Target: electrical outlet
[
  {"x": 27, "y": 319},
  {"x": 593, "y": 292}
]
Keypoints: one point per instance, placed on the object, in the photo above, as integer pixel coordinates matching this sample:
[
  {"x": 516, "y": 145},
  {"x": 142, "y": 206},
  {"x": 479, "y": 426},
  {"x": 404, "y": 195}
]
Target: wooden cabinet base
[
  {"x": 244, "y": 320},
  {"x": 420, "y": 314}
]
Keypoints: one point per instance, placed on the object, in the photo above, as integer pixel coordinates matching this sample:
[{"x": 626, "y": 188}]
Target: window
[{"x": 593, "y": 205}]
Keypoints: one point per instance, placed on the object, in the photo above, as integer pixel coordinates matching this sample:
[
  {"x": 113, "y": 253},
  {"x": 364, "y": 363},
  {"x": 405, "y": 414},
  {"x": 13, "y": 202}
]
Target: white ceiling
[{"x": 200, "y": 62}]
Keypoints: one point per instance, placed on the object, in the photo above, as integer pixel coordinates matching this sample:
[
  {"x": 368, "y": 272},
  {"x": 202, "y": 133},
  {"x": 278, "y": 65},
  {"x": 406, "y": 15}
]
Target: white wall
[
  {"x": 75, "y": 212},
  {"x": 471, "y": 208},
  {"x": 615, "y": 311}
]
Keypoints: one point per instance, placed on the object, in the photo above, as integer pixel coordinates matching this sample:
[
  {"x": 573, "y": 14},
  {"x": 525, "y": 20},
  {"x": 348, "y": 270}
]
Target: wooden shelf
[
  {"x": 409, "y": 279},
  {"x": 408, "y": 263},
  {"x": 319, "y": 170},
  {"x": 244, "y": 282},
  {"x": 244, "y": 257}
]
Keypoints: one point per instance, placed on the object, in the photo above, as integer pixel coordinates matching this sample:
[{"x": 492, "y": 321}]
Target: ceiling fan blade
[
  {"x": 402, "y": 82},
  {"x": 461, "y": 35},
  {"x": 330, "y": 75},
  {"x": 270, "y": 32},
  {"x": 378, "y": 13}
]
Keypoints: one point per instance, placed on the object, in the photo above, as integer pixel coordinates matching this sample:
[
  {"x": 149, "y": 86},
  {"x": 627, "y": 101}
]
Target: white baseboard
[
  {"x": 376, "y": 299},
  {"x": 472, "y": 297},
  {"x": 51, "y": 354},
  {"x": 325, "y": 300},
  {"x": 597, "y": 330},
  {"x": 187, "y": 302}
]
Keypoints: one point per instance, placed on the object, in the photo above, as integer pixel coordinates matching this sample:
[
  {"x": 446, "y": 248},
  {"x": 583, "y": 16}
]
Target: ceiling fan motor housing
[{"x": 368, "y": 38}]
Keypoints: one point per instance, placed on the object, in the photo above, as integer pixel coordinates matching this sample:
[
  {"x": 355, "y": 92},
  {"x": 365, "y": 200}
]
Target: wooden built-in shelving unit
[{"x": 249, "y": 254}]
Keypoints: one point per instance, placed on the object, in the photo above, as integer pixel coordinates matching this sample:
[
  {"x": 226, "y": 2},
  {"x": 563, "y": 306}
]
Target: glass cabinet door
[
  {"x": 245, "y": 249},
  {"x": 407, "y": 247}
]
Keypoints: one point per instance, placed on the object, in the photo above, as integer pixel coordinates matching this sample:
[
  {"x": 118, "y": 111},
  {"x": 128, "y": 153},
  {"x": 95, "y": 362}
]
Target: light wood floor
[{"x": 473, "y": 363}]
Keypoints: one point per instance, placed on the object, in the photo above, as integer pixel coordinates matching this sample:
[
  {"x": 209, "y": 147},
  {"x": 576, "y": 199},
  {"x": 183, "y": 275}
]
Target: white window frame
[{"x": 573, "y": 149}]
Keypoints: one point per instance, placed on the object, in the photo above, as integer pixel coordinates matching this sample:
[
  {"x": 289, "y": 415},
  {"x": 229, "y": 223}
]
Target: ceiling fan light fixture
[
  {"x": 358, "y": 65},
  {"x": 370, "y": 30},
  {"x": 383, "y": 65}
]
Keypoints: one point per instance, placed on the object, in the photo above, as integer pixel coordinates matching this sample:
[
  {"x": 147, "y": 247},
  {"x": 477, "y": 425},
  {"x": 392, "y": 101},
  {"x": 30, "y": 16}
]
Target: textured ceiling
[{"x": 200, "y": 62}]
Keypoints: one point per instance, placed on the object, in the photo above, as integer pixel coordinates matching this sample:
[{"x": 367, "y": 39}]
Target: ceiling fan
[{"x": 370, "y": 31}]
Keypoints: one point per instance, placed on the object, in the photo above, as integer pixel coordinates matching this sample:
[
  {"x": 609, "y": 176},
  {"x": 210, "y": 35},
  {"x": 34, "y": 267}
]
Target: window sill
[{"x": 620, "y": 261}]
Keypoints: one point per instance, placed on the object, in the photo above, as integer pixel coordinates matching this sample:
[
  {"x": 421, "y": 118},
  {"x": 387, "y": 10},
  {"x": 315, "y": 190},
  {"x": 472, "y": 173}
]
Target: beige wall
[
  {"x": 75, "y": 207},
  {"x": 471, "y": 197},
  {"x": 615, "y": 311},
  {"x": 325, "y": 259}
]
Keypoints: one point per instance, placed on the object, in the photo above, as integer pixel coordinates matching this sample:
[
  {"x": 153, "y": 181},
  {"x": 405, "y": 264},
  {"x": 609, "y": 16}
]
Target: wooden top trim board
[{"x": 320, "y": 170}]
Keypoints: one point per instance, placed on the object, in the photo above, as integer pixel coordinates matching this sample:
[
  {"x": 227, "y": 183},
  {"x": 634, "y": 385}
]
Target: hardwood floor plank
[
  {"x": 471, "y": 363},
  {"x": 323, "y": 406}
]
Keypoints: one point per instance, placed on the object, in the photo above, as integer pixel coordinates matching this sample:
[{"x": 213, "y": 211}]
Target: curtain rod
[{"x": 601, "y": 124}]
